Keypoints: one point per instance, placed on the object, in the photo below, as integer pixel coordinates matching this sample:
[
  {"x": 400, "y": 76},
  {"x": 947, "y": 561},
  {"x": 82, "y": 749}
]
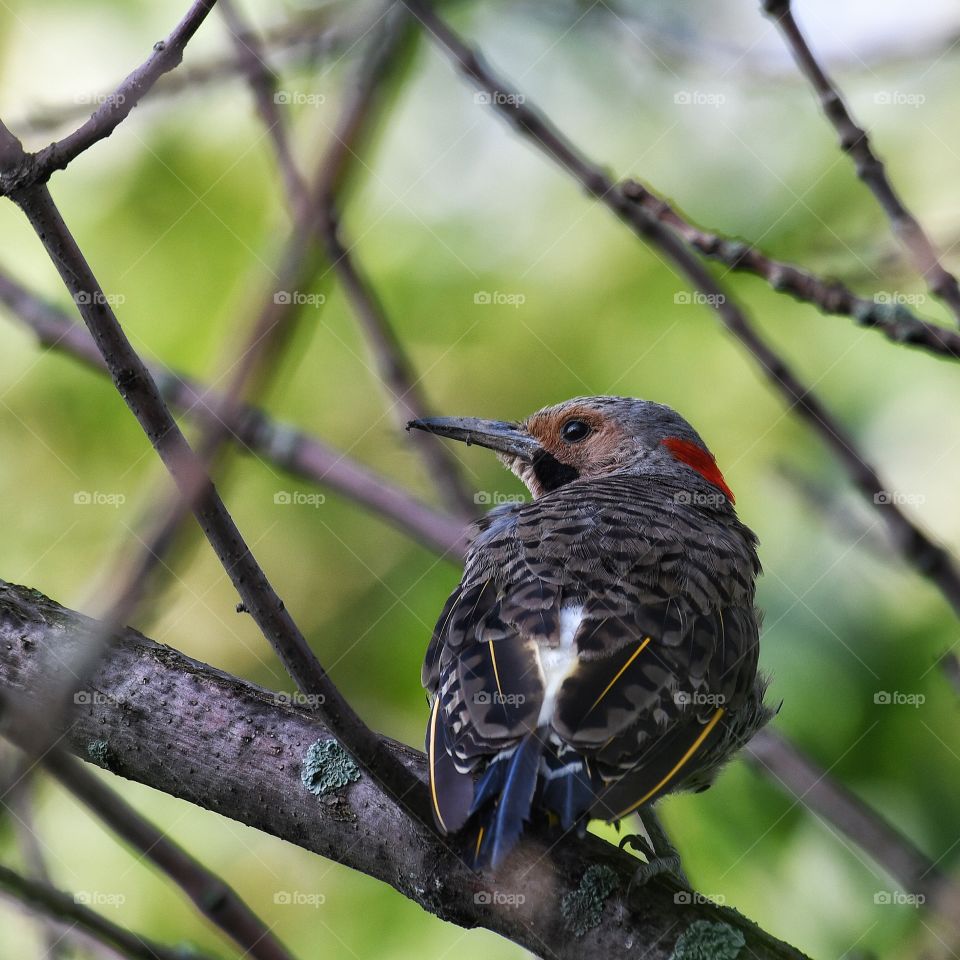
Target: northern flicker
[{"x": 601, "y": 648}]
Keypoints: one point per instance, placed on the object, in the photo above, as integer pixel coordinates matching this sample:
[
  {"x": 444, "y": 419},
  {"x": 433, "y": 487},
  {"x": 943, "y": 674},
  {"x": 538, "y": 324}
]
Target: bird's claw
[{"x": 655, "y": 865}]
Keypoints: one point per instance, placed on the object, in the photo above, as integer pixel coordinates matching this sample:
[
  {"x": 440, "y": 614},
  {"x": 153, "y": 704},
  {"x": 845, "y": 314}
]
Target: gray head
[{"x": 590, "y": 437}]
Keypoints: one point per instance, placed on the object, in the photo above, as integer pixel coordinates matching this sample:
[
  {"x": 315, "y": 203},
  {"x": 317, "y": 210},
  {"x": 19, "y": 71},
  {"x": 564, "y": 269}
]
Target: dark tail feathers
[{"x": 505, "y": 793}]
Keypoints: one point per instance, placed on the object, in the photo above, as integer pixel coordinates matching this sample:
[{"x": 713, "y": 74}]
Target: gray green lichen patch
[
  {"x": 704, "y": 940},
  {"x": 99, "y": 752},
  {"x": 583, "y": 908},
  {"x": 327, "y": 767}
]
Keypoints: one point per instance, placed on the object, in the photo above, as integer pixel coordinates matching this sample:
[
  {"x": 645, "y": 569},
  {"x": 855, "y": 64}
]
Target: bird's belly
[{"x": 558, "y": 661}]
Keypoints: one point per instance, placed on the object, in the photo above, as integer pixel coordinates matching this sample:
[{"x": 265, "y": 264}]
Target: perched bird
[{"x": 601, "y": 648}]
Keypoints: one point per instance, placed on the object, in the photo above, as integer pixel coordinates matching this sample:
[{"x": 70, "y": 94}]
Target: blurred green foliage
[{"x": 181, "y": 214}]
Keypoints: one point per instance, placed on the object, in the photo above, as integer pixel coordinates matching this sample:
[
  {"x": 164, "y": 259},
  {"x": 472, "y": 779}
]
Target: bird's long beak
[{"x": 508, "y": 438}]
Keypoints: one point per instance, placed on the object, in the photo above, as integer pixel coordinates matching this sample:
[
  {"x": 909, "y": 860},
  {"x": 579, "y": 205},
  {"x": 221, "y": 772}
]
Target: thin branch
[
  {"x": 885, "y": 313},
  {"x": 64, "y": 908},
  {"x": 854, "y": 141},
  {"x": 280, "y": 444},
  {"x": 22, "y": 821},
  {"x": 213, "y": 897},
  {"x": 167, "y": 54},
  {"x": 785, "y": 764},
  {"x": 139, "y": 391},
  {"x": 923, "y": 554},
  {"x": 262, "y": 82},
  {"x": 300, "y": 40},
  {"x": 242, "y": 753},
  {"x": 368, "y": 91}
]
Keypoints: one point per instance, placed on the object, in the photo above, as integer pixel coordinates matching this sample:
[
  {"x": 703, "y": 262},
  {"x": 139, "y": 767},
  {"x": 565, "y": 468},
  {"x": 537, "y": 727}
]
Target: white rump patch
[{"x": 557, "y": 663}]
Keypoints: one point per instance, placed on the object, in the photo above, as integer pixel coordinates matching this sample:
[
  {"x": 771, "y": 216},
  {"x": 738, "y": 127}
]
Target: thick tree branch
[
  {"x": 139, "y": 391},
  {"x": 854, "y": 141},
  {"x": 64, "y": 908},
  {"x": 884, "y": 313},
  {"x": 158, "y": 717},
  {"x": 36, "y": 168},
  {"x": 926, "y": 556}
]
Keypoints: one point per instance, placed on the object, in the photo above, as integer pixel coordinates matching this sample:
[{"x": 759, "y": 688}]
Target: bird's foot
[{"x": 655, "y": 864}]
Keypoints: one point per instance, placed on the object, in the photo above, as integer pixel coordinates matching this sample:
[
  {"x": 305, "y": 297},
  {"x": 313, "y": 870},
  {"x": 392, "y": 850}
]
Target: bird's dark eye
[{"x": 573, "y": 431}]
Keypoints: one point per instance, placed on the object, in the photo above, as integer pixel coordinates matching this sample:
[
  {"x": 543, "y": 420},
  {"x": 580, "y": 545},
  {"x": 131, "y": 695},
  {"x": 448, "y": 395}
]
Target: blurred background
[{"x": 182, "y": 216}]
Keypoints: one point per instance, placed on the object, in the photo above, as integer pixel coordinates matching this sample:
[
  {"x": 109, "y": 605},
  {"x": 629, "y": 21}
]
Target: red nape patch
[{"x": 701, "y": 461}]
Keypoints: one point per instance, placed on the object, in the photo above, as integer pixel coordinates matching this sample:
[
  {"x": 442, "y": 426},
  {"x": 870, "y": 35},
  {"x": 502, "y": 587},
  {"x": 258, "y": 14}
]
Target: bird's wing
[{"x": 664, "y": 635}]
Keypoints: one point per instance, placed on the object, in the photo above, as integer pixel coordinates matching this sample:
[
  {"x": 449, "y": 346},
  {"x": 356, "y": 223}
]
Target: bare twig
[
  {"x": 214, "y": 898},
  {"x": 232, "y": 747},
  {"x": 64, "y": 908},
  {"x": 138, "y": 389},
  {"x": 167, "y": 54},
  {"x": 24, "y": 826},
  {"x": 300, "y": 40},
  {"x": 368, "y": 90},
  {"x": 262, "y": 82},
  {"x": 885, "y": 313},
  {"x": 854, "y": 141},
  {"x": 783, "y": 762},
  {"x": 927, "y": 557},
  {"x": 280, "y": 444}
]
